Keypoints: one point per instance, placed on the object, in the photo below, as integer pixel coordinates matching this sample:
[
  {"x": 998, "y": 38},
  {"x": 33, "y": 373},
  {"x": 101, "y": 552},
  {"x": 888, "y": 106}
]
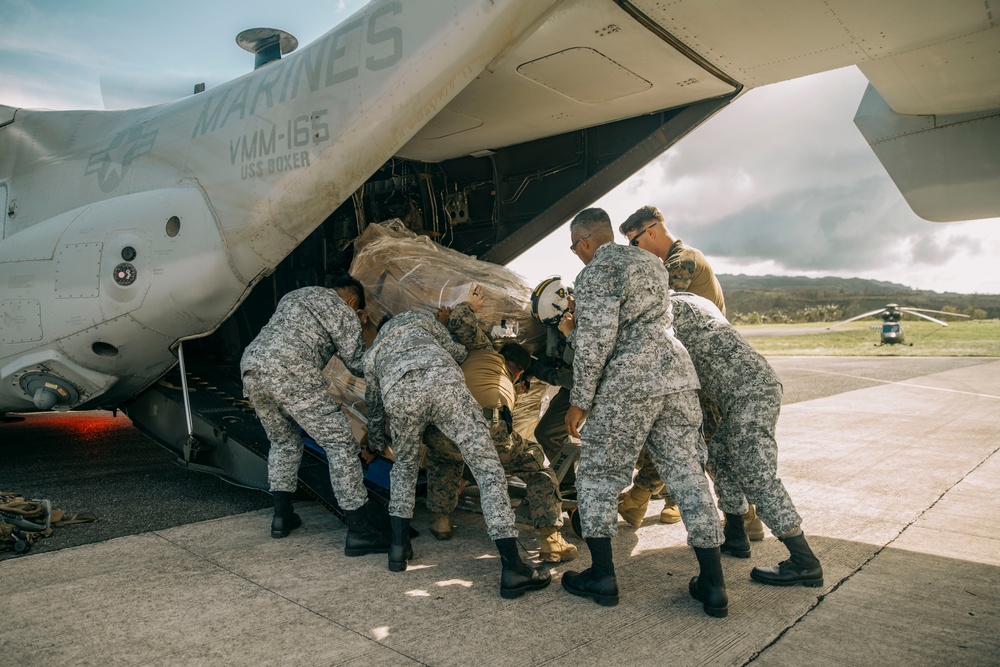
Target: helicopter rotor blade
[
  {"x": 857, "y": 317},
  {"x": 926, "y": 317},
  {"x": 928, "y": 310}
]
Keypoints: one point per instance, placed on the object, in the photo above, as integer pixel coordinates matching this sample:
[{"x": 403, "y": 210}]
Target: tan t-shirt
[{"x": 488, "y": 379}]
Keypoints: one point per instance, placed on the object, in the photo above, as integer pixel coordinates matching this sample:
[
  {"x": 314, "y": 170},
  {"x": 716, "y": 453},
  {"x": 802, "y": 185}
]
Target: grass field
[{"x": 975, "y": 338}]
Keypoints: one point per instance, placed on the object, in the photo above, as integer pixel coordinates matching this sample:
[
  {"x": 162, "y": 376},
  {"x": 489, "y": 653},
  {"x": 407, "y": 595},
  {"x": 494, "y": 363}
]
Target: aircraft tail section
[{"x": 279, "y": 149}]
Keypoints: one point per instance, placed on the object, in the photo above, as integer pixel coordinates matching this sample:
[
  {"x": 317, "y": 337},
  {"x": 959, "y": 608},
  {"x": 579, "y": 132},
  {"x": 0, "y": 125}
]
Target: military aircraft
[
  {"x": 134, "y": 240},
  {"x": 891, "y": 330}
]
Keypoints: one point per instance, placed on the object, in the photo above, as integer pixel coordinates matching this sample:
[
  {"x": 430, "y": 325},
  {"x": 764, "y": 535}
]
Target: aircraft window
[{"x": 173, "y": 226}]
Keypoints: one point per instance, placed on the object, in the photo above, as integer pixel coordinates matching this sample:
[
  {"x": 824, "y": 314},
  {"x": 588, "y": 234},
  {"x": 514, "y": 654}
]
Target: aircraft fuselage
[{"x": 128, "y": 231}]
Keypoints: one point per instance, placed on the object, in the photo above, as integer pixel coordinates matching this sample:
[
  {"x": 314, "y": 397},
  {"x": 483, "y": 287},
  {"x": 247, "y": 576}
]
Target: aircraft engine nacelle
[
  {"x": 95, "y": 298},
  {"x": 946, "y": 166}
]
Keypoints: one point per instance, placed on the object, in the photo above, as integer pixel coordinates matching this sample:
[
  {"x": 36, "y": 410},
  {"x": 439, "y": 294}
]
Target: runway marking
[{"x": 903, "y": 383}]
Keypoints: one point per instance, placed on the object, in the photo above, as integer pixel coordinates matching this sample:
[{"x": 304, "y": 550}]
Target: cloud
[
  {"x": 783, "y": 177},
  {"x": 810, "y": 228},
  {"x": 931, "y": 250}
]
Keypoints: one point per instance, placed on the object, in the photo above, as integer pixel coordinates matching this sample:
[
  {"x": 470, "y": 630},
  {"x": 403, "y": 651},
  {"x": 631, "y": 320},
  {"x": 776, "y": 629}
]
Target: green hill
[{"x": 776, "y": 299}]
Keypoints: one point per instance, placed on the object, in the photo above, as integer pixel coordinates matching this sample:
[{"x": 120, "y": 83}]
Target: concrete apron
[{"x": 897, "y": 485}]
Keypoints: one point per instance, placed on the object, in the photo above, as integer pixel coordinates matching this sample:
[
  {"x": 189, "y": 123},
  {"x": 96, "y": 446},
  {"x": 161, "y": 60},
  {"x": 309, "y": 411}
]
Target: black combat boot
[
  {"x": 362, "y": 537},
  {"x": 598, "y": 581},
  {"x": 401, "y": 549},
  {"x": 802, "y": 568},
  {"x": 737, "y": 543},
  {"x": 377, "y": 516},
  {"x": 517, "y": 577},
  {"x": 285, "y": 520},
  {"x": 709, "y": 587}
]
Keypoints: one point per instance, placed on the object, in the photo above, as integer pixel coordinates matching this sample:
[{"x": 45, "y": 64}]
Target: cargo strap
[{"x": 23, "y": 520}]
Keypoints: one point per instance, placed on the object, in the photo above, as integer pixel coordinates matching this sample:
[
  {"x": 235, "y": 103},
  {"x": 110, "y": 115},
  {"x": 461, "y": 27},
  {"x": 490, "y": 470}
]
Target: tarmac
[{"x": 895, "y": 473}]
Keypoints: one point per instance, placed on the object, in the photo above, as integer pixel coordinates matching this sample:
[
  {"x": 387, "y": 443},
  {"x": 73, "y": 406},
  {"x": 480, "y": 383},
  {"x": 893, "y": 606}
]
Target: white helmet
[{"x": 550, "y": 300}]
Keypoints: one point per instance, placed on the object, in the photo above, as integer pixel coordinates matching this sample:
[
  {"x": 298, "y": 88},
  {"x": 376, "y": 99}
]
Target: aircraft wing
[
  {"x": 589, "y": 62},
  {"x": 932, "y": 115}
]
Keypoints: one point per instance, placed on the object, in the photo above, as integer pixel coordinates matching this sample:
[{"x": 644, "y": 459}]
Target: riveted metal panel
[
  {"x": 20, "y": 320},
  {"x": 78, "y": 270}
]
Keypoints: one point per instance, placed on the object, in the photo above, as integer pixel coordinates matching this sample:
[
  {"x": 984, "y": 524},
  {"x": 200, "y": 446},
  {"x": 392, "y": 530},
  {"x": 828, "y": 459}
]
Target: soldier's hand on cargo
[
  {"x": 571, "y": 304},
  {"x": 573, "y": 418},
  {"x": 476, "y": 298},
  {"x": 442, "y": 314},
  {"x": 368, "y": 454},
  {"x": 566, "y": 324}
]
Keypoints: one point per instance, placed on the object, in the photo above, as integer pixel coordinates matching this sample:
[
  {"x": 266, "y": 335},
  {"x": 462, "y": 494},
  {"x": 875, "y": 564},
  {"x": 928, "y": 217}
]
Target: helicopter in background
[{"x": 891, "y": 330}]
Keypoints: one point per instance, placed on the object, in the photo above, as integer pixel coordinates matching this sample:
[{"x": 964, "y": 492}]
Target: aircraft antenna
[{"x": 267, "y": 44}]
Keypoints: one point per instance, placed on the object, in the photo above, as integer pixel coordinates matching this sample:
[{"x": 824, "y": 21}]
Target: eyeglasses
[
  {"x": 573, "y": 247},
  {"x": 635, "y": 239}
]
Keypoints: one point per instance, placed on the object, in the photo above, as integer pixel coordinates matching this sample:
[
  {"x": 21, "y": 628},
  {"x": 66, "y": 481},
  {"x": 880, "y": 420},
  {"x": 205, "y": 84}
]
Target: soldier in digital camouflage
[
  {"x": 689, "y": 272},
  {"x": 490, "y": 377},
  {"x": 639, "y": 384},
  {"x": 743, "y": 451},
  {"x": 413, "y": 380},
  {"x": 282, "y": 371}
]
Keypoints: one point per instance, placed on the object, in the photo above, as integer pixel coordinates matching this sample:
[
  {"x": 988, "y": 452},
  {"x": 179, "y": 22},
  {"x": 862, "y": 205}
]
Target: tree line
[{"x": 780, "y": 300}]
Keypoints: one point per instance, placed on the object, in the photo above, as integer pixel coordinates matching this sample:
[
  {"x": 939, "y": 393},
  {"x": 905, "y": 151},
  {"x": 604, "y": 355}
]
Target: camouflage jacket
[
  {"x": 309, "y": 325},
  {"x": 625, "y": 346},
  {"x": 728, "y": 367},
  {"x": 691, "y": 272},
  {"x": 409, "y": 341},
  {"x": 463, "y": 323}
]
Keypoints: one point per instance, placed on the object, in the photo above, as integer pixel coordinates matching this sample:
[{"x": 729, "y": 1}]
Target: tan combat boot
[
  {"x": 670, "y": 512},
  {"x": 554, "y": 549},
  {"x": 632, "y": 505},
  {"x": 753, "y": 526},
  {"x": 441, "y": 526}
]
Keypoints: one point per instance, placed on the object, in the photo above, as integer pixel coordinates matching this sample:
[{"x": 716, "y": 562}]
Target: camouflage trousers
[
  {"x": 611, "y": 440},
  {"x": 518, "y": 457},
  {"x": 744, "y": 454},
  {"x": 439, "y": 396},
  {"x": 553, "y": 437},
  {"x": 298, "y": 396},
  {"x": 648, "y": 477}
]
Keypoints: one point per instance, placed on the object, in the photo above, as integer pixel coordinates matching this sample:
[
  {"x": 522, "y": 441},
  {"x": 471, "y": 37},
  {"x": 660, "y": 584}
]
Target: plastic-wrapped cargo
[{"x": 403, "y": 271}]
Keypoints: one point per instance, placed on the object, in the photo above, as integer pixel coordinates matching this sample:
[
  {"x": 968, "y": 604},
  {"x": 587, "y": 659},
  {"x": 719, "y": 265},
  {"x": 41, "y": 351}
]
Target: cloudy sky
[{"x": 780, "y": 182}]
